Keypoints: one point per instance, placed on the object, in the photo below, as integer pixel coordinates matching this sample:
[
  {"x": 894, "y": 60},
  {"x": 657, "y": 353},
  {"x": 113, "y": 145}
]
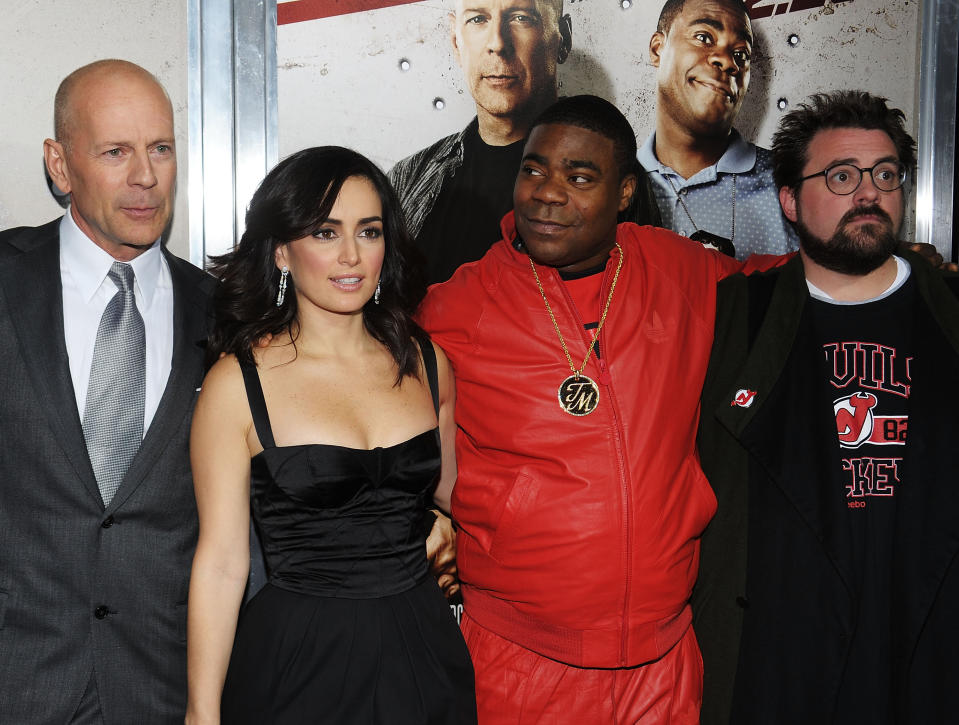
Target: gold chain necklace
[{"x": 578, "y": 394}]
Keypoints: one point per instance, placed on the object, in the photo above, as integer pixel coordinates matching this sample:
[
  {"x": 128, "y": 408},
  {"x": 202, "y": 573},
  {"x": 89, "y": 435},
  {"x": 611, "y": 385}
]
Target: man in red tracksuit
[{"x": 579, "y": 348}]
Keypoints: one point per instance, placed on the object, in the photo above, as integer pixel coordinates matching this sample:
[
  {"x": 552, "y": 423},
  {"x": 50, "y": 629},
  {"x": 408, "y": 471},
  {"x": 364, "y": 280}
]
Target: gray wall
[{"x": 43, "y": 41}]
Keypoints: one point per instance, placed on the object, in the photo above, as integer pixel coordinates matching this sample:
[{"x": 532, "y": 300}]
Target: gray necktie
[{"x": 113, "y": 416}]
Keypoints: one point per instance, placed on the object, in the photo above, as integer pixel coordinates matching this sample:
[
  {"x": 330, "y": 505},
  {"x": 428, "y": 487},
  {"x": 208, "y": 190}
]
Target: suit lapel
[
  {"x": 787, "y": 428},
  {"x": 190, "y": 328},
  {"x": 768, "y": 353},
  {"x": 32, "y": 287}
]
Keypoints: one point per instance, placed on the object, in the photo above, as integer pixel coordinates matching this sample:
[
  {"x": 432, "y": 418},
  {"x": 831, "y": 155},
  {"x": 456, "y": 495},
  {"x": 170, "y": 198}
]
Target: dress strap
[
  {"x": 429, "y": 362},
  {"x": 254, "y": 394}
]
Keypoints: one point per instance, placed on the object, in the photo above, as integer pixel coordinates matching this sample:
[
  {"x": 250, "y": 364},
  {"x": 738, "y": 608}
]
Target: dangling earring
[
  {"x": 281, "y": 294},
  {"x": 376, "y": 295}
]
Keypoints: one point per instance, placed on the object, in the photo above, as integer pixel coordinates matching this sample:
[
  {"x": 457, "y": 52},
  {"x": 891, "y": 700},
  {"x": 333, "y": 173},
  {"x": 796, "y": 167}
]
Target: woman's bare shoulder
[{"x": 223, "y": 385}]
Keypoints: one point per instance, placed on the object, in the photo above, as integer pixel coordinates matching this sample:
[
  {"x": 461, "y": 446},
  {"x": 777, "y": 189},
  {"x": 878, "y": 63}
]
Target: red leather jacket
[{"x": 579, "y": 535}]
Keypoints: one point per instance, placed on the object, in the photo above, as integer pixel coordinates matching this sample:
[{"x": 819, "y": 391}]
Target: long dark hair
[{"x": 292, "y": 202}]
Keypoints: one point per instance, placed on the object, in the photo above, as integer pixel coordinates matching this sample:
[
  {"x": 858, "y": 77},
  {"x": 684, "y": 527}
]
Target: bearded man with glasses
[{"x": 829, "y": 578}]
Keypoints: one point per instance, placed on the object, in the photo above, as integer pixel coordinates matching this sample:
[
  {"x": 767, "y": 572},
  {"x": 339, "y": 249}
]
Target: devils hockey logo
[
  {"x": 743, "y": 398},
  {"x": 857, "y": 424},
  {"x": 854, "y": 418}
]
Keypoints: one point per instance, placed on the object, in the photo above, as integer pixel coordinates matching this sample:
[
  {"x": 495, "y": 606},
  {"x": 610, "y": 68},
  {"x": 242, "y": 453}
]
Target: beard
[{"x": 857, "y": 252}]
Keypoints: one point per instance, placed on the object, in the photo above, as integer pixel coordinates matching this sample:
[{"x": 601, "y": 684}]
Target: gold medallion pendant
[{"x": 578, "y": 395}]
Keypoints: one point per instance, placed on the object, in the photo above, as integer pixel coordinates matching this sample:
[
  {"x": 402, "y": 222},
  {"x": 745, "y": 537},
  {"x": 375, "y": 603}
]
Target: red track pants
[{"x": 515, "y": 686}]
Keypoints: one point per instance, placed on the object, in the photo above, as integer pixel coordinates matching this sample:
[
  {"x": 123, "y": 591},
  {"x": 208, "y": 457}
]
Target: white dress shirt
[{"x": 86, "y": 292}]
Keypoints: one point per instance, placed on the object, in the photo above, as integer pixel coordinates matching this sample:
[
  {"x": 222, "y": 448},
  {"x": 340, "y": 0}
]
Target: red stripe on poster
[
  {"x": 767, "y": 8},
  {"x": 297, "y": 11}
]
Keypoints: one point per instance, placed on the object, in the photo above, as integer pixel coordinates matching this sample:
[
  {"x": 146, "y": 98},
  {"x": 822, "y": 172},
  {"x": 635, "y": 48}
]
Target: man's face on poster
[
  {"x": 509, "y": 50},
  {"x": 703, "y": 66}
]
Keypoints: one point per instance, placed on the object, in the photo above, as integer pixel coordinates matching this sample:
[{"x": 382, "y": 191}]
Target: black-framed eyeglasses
[{"x": 843, "y": 179}]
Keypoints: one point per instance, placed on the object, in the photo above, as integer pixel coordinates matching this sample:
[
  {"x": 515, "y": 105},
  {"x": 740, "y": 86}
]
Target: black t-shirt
[
  {"x": 867, "y": 358},
  {"x": 584, "y": 289},
  {"x": 464, "y": 222}
]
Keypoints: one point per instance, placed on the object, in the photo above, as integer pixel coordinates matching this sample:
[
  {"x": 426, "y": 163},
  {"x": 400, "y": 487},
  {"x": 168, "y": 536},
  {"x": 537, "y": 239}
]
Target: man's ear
[
  {"x": 565, "y": 38},
  {"x": 627, "y": 189},
  {"x": 54, "y": 157},
  {"x": 656, "y": 48},
  {"x": 787, "y": 200}
]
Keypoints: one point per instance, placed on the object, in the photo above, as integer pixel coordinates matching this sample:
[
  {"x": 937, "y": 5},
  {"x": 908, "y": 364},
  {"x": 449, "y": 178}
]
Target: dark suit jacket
[
  {"x": 85, "y": 590},
  {"x": 775, "y": 606}
]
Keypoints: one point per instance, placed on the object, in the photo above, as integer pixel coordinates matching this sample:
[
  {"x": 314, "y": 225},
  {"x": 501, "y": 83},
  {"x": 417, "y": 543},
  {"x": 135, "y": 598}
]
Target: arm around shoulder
[{"x": 765, "y": 262}]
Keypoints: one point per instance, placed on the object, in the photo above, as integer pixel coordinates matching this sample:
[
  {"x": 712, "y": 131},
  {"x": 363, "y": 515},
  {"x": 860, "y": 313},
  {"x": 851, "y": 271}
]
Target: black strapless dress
[{"x": 351, "y": 627}]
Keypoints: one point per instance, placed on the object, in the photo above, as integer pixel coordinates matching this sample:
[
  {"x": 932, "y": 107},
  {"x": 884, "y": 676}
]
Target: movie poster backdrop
[{"x": 379, "y": 76}]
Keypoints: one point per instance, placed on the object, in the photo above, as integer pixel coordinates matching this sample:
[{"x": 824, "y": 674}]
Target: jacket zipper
[
  {"x": 626, "y": 502},
  {"x": 625, "y": 498}
]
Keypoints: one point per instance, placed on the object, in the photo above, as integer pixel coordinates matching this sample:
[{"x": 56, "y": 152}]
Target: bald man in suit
[{"x": 97, "y": 515}]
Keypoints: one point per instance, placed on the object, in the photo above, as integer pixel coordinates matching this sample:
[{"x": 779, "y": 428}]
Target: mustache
[{"x": 869, "y": 210}]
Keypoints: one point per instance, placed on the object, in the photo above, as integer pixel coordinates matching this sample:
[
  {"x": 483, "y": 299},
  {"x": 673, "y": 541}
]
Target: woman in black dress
[{"x": 338, "y": 435}]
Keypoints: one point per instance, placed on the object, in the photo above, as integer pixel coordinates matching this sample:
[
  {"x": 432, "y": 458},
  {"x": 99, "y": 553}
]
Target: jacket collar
[
  {"x": 511, "y": 245},
  {"x": 452, "y": 149},
  {"x": 773, "y": 344}
]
